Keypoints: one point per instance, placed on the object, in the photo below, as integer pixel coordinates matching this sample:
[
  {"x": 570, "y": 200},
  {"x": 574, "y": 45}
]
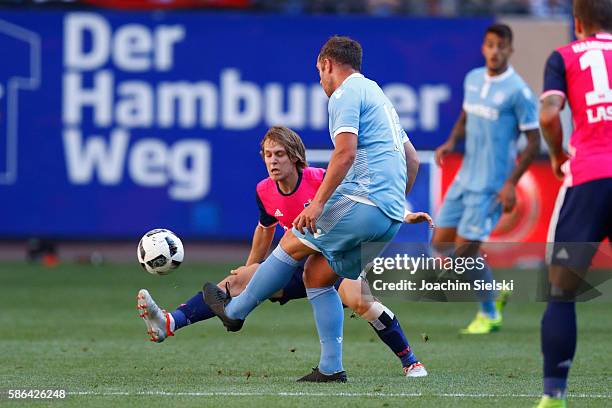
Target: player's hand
[
  {"x": 507, "y": 196},
  {"x": 237, "y": 270},
  {"x": 308, "y": 218},
  {"x": 556, "y": 162},
  {"x": 442, "y": 151},
  {"x": 418, "y": 217}
]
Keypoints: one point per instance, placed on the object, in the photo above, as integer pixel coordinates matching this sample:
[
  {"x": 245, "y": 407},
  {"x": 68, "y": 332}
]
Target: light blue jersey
[
  {"x": 378, "y": 174},
  {"x": 498, "y": 109}
]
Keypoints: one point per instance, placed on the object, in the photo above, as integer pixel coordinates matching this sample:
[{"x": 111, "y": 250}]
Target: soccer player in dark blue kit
[{"x": 578, "y": 73}]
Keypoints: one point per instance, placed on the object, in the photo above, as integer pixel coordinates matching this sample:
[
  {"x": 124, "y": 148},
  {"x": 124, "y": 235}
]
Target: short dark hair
[
  {"x": 291, "y": 141},
  {"x": 595, "y": 14},
  {"x": 501, "y": 30},
  {"x": 343, "y": 50}
]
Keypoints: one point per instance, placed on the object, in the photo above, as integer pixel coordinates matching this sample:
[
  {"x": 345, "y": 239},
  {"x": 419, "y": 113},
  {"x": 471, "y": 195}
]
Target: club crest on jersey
[
  {"x": 306, "y": 204},
  {"x": 499, "y": 97}
]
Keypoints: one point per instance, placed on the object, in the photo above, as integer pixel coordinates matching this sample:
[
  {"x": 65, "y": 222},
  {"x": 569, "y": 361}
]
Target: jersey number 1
[{"x": 601, "y": 92}]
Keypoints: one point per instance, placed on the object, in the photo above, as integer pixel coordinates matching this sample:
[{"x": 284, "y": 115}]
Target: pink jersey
[
  {"x": 581, "y": 72},
  {"x": 277, "y": 207}
]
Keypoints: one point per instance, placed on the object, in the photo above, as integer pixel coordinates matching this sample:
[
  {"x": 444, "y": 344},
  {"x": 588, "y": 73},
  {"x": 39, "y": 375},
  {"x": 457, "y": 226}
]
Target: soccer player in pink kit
[
  {"x": 281, "y": 197},
  {"x": 578, "y": 72}
]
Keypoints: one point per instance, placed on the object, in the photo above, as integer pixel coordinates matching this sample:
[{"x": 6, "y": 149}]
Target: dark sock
[
  {"x": 388, "y": 328},
  {"x": 558, "y": 333},
  {"x": 192, "y": 311}
]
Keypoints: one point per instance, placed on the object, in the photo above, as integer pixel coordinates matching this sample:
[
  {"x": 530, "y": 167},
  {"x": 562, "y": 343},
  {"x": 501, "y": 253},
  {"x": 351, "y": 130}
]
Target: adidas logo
[
  {"x": 562, "y": 254},
  {"x": 565, "y": 364},
  {"x": 278, "y": 213}
]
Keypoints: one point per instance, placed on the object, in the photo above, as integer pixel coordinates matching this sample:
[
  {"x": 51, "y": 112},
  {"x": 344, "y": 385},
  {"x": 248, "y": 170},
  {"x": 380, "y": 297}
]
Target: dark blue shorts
[
  {"x": 581, "y": 220},
  {"x": 295, "y": 289}
]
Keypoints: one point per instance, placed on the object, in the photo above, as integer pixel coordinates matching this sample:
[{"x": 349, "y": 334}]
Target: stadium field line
[{"x": 322, "y": 394}]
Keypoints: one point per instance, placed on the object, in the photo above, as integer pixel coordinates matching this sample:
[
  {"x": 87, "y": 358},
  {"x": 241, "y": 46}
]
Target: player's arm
[
  {"x": 551, "y": 105},
  {"x": 263, "y": 235},
  {"x": 527, "y": 156},
  {"x": 260, "y": 246},
  {"x": 340, "y": 163},
  {"x": 550, "y": 122},
  {"x": 507, "y": 194},
  {"x": 456, "y": 134},
  {"x": 526, "y": 112},
  {"x": 344, "y": 113},
  {"x": 412, "y": 164}
]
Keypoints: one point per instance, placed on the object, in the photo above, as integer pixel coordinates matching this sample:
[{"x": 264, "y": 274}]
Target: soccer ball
[{"x": 160, "y": 251}]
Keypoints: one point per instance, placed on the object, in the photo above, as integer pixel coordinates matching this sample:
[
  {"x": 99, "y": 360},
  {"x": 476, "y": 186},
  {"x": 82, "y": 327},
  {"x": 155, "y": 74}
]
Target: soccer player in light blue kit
[
  {"x": 497, "y": 107},
  {"x": 361, "y": 199}
]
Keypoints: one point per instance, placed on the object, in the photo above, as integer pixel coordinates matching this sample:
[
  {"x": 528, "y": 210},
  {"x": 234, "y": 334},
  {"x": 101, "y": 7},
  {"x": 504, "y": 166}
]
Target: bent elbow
[{"x": 548, "y": 118}]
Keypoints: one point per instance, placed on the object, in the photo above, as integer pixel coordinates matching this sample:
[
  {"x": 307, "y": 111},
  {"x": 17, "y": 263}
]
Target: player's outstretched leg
[
  {"x": 356, "y": 295},
  {"x": 271, "y": 276},
  {"x": 159, "y": 322},
  {"x": 192, "y": 311}
]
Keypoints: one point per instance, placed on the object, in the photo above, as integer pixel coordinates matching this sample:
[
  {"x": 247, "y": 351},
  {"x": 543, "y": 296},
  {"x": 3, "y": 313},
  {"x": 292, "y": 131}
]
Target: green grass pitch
[{"x": 75, "y": 327}]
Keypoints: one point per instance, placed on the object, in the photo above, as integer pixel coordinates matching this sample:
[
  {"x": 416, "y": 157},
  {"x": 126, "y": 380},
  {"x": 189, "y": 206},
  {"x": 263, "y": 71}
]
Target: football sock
[
  {"x": 192, "y": 311},
  {"x": 271, "y": 276},
  {"x": 389, "y": 330},
  {"x": 558, "y": 334},
  {"x": 329, "y": 318},
  {"x": 486, "y": 297}
]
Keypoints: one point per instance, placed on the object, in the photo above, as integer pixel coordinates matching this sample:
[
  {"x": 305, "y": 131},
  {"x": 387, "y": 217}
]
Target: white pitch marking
[{"x": 321, "y": 394}]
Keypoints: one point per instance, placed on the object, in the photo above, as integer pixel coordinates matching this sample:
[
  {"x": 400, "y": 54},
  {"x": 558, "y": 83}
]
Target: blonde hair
[{"x": 291, "y": 142}]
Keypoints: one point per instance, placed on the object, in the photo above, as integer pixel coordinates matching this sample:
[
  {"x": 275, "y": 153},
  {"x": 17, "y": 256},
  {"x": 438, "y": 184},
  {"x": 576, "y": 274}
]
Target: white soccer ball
[{"x": 160, "y": 251}]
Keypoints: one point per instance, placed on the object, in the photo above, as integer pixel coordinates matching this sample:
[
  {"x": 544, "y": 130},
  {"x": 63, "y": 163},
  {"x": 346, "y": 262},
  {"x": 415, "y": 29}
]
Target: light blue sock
[
  {"x": 271, "y": 276},
  {"x": 487, "y": 298},
  {"x": 329, "y": 317}
]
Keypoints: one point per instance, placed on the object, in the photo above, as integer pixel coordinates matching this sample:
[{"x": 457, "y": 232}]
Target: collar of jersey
[
  {"x": 353, "y": 75},
  {"x": 499, "y": 78},
  {"x": 603, "y": 36},
  {"x": 297, "y": 185}
]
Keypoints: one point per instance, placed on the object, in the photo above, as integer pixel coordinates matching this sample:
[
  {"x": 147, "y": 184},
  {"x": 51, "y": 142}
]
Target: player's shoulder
[
  {"x": 313, "y": 174},
  {"x": 575, "y": 47},
  {"x": 517, "y": 81},
  {"x": 352, "y": 86},
  {"x": 476, "y": 74},
  {"x": 265, "y": 186}
]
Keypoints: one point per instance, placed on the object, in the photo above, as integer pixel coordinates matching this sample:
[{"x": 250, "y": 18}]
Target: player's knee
[
  {"x": 360, "y": 305},
  {"x": 237, "y": 283},
  {"x": 294, "y": 247},
  {"x": 310, "y": 281}
]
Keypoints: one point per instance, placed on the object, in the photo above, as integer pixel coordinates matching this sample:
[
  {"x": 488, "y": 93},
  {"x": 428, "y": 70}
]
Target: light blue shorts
[
  {"x": 473, "y": 214},
  {"x": 341, "y": 229}
]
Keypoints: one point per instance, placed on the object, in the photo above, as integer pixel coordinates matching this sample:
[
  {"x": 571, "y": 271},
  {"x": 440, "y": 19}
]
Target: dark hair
[
  {"x": 291, "y": 141},
  {"x": 343, "y": 50},
  {"x": 501, "y": 30},
  {"x": 595, "y": 14}
]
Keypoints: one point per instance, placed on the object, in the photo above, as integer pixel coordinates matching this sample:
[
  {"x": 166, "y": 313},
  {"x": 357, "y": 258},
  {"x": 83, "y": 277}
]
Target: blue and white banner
[{"x": 114, "y": 123}]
